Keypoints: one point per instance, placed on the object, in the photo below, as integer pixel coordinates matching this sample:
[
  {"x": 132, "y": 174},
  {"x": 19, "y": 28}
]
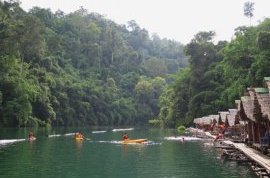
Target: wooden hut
[
  {"x": 264, "y": 102},
  {"x": 261, "y": 102},
  {"x": 223, "y": 115},
  {"x": 214, "y": 126},
  {"x": 197, "y": 122},
  {"x": 264, "y": 99},
  {"x": 256, "y": 123},
  {"x": 207, "y": 122},
  {"x": 232, "y": 117},
  {"x": 246, "y": 114},
  {"x": 241, "y": 112},
  {"x": 236, "y": 129},
  {"x": 267, "y": 82}
]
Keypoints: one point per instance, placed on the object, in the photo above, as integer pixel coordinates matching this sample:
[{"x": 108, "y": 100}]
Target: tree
[
  {"x": 155, "y": 67},
  {"x": 248, "y": 10}
]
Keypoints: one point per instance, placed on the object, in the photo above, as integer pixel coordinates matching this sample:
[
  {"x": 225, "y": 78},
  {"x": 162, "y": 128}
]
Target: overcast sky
[{"x": 174, "y": 19}]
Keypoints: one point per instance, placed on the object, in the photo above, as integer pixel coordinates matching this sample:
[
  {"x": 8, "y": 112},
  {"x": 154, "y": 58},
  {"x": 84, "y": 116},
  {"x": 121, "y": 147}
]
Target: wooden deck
[
  {"x": 255, "y": 155},
  {"x": 251, "y": 153}
]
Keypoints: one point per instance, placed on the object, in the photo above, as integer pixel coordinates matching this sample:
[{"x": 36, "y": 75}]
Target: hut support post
[
  {"x": 252, "y": 130},
  {"x": 259, "y": 133}
]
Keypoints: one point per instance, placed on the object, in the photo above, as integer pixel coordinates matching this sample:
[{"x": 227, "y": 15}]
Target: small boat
[{"x": 132, "y": 141}]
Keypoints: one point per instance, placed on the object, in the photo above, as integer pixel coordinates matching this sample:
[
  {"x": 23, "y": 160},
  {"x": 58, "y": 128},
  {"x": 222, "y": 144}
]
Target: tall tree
[{"x": 248, "y": 10}]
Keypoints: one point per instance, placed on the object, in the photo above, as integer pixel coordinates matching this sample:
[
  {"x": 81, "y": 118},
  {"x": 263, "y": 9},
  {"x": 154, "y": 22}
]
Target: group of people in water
[{"x": 78, "y": 135}]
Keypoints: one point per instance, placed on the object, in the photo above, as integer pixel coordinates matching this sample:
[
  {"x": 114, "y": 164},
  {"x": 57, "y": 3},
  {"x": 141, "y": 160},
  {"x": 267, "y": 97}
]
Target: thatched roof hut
[
  {"x": 267, "y": 81},
  {"x": 223, "y": 115},
  {"x": 196, "y": 120},
  {"x": 206, "y": 120},
  {"x": 241, "y": 112},
  {"x": 214, "y": 118},
  {"x": 264, "y": 101},
  {"x": 248, "y": 106},
  {"x": 232, "y": 117},
  {"x": 257, "y": 114}
]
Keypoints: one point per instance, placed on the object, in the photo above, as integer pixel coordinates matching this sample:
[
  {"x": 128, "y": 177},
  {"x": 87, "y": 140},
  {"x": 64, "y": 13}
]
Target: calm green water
[{"x": 103, "y": 156}]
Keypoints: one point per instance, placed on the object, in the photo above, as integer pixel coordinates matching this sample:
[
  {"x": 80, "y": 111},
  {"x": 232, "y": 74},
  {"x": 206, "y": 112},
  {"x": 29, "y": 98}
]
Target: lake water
[{"x": 103, "y": 156}]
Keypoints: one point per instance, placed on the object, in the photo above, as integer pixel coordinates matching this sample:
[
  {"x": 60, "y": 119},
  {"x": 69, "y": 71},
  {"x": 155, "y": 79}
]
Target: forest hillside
[
  {"x": 217, "y": 75},
  {"x": 80, "y": 68}
]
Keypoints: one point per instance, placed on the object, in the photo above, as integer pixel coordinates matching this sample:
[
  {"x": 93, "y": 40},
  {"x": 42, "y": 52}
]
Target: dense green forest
[
  {"x": 80, "y": 68},
  {"x": 217, "y": 74},
  {"x": 83, "y": 69}
]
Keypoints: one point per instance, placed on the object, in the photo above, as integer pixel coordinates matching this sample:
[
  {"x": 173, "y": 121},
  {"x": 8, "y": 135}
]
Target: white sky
[{"x": 173, "y": 19}]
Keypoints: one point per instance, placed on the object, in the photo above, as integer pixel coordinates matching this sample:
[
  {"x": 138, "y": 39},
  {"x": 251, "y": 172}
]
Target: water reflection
[{"x": 79, "y": 144}]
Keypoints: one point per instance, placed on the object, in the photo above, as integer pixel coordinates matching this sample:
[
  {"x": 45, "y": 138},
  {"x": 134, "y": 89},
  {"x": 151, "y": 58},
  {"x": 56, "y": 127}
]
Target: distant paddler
[
  {"x": 31, "y": 136},
  {"x": 126, "y": 140},
  {"x": 125, "y": 137},
  {"x": 79, "y": 136}
]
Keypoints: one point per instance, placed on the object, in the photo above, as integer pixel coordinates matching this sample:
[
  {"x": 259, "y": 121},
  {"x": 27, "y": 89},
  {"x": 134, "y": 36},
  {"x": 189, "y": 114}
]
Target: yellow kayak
[
  {"x": 132, "y": 141},
  {"x": 79, "y": 138}
]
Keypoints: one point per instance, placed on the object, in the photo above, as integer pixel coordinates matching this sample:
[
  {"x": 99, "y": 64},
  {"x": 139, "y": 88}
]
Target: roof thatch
[
  {"x": 206, "y": 120},
  {"x": 267, "y": 81},
  {"x": 231, "y": 117},
  {"x": 214, "y": 118},
  {"x": 223, "y": 115},
  {"x": 264, "y": 101},
  {"x": 248, "y": 106}
]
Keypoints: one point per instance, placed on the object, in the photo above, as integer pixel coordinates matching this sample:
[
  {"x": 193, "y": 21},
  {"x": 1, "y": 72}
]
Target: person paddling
[
  {"x": 125, "y": 136},
  {"x": 79, "y": 135},
  {"x": 31, "y": 136}
]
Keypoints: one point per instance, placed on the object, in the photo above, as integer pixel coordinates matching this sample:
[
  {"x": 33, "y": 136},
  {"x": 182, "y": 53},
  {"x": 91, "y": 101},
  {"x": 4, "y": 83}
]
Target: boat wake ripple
[
  {"x": 181, "y": 138},
  {"x": 120, "y": 130},
  {"x": 69, "y": 134},
  {"x": 57, "y": 135},
  {"x": 100, "y": 131},
  {"x": 5, "y": 142},
  {"x": 120, "y": 142}
]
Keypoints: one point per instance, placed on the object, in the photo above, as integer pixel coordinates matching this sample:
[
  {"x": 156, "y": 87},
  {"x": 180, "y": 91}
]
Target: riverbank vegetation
[
  {"x": 218, "y": 74},
  {"x": 80, "y": 68}
]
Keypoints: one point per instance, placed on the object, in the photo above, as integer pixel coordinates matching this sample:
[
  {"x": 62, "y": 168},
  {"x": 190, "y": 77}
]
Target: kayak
[
  {"x": 79, "y": 138},
  {"x": 132, "y": 141}
]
